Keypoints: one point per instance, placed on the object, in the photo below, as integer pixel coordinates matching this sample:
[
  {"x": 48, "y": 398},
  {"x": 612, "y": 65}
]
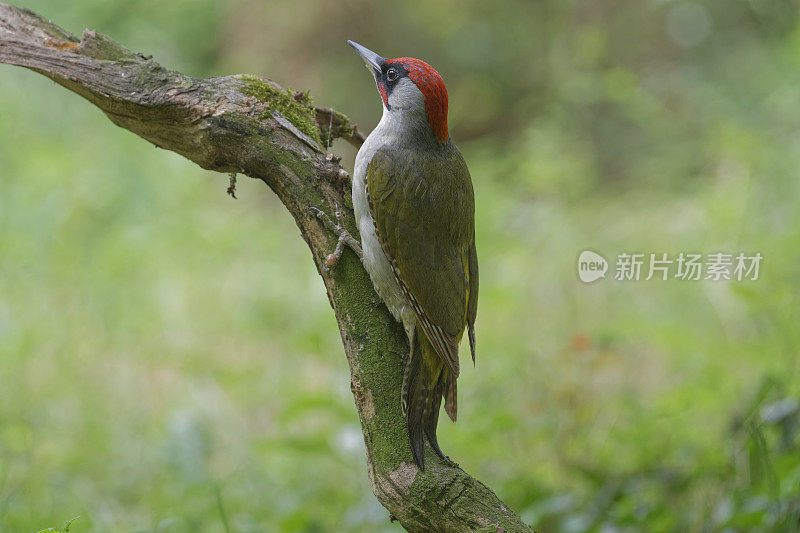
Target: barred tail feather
[
  {"x": 415, "y": 394},
  {"x": 411, "y": 368},
  {"x": 432, "y": 418},
  {"x": 425, "y": 382},
  {"x": 451, "y": 395}
]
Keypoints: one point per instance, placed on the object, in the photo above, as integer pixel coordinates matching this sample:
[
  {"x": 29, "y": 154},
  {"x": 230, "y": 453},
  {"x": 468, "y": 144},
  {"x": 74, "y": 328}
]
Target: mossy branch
[{"x": 250, "y": 125}]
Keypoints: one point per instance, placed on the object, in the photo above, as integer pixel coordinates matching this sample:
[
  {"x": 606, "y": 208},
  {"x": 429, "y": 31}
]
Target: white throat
[{"x": 405, "y": 119}]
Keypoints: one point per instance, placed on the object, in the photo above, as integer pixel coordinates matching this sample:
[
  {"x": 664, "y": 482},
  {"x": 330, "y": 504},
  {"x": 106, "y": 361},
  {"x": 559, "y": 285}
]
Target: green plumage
[{"x": 423, "y": 210}]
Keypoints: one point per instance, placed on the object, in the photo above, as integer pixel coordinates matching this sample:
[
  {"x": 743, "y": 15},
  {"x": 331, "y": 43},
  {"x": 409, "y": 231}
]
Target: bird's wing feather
[
  {"x": 426, "y": 229},
  {"x": 472, "y": 304}
]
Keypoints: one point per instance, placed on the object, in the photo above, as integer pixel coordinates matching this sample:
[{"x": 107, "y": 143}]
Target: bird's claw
[{"x": 344, "y": 237}]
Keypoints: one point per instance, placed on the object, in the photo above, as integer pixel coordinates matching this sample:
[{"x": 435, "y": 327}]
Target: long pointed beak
[{"x": 372, "y": 59}]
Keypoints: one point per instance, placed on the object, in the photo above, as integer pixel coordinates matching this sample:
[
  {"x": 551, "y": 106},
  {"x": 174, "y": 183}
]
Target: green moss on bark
[
  {"x": 298, "y": 111},
  {"x": 347, "y": 128}
]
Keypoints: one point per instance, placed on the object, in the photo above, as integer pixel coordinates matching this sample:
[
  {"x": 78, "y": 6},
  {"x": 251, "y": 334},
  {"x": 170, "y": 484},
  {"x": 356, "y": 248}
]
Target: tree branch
[{"x": 249, "y": 125}]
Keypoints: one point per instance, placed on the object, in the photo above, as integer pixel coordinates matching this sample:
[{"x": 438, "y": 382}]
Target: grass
[{"x": 63, "y": 529}]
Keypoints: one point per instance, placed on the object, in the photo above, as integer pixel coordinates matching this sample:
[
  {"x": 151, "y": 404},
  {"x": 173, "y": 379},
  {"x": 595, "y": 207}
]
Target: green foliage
[{"x": 168, "y": 358}]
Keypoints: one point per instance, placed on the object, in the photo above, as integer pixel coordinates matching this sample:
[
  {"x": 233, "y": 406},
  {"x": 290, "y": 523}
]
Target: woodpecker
[{"x": 415, "y": 211}]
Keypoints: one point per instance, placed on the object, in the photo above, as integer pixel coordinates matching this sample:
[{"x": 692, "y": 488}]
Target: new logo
[{"x": 591, "y": 266}]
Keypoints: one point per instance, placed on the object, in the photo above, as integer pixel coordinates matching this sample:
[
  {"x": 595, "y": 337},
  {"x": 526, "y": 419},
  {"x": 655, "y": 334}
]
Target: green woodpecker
[{"x": 415, "y": 210}]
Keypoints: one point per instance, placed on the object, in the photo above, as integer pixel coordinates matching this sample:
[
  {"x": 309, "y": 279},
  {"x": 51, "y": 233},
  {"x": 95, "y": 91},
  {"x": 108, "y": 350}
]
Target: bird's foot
[{"x": 344, "y": 237}]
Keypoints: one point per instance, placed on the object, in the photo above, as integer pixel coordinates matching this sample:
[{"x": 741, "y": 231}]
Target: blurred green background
[{"x": 168, "y": 357}]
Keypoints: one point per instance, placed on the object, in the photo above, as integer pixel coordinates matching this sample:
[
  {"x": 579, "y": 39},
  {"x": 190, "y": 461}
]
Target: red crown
[{"x": 431, "y": 85}]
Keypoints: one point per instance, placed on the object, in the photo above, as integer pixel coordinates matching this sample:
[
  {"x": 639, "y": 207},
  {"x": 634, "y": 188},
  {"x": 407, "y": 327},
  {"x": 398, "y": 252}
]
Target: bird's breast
[{"x": 375, "y": 261}]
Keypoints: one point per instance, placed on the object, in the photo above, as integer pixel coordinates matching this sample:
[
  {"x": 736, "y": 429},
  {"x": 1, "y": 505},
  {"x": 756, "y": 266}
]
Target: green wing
[{"x": 424, "y": 213}]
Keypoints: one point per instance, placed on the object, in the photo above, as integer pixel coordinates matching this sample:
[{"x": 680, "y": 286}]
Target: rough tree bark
[{"x": 249, "y": 125}]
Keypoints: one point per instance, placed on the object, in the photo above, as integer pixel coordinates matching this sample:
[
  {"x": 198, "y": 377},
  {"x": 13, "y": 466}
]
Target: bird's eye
[{"x": 391, "y": 74}]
